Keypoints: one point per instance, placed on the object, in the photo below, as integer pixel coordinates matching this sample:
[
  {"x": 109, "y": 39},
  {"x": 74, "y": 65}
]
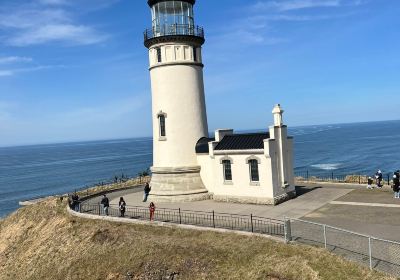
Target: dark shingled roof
[
  {"x": 202, "y": 145},
  {"x": 251, "y": 141}
]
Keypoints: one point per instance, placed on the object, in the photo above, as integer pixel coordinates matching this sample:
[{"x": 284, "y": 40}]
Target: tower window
[
  {"x": 161, "y": 119},
  {"x": 194, "y": 53},
  {"x": 159, "y": 58},
  {"x": 254, "y": 175},
  {"x": 227, "y": 170}
]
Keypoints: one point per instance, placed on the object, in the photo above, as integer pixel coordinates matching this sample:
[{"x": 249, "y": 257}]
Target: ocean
[{"x": 40, "y": 170}]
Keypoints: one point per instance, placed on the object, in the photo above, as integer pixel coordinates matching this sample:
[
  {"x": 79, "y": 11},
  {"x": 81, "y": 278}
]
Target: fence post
[
  {"x": 251, "y": 219},
  {"x": 388, "y": 179},
  {"x": 99, "y": 209},
  {"x": 180, "y": 217},
  {"x": 325, "y": 237},
  {"x": 307, "y": 175},
  {"x": 213, "y": 218},
  {"x": 370, "y": 253},
  {"x": 332, "y": 176},
  {"x": 287, "y": 230},
  {"x": 359, "y": 180}
]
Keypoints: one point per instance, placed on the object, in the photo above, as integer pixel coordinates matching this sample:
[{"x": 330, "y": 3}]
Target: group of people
[
  {"x": 122, "y": 204},
  {"x": 379, "y": 184}
]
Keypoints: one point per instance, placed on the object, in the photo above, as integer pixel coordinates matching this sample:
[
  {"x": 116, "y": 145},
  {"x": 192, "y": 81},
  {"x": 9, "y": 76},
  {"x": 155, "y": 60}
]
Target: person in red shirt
[{"x": 152, "y": 208}]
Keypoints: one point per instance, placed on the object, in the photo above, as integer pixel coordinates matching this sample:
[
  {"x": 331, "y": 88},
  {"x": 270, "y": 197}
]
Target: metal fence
[
  {"x": 379, "y": 254},
  {"x": 308, "y": 176},
  {"x": 247, "y": 223},
  {"x": 376, "y": 253}
]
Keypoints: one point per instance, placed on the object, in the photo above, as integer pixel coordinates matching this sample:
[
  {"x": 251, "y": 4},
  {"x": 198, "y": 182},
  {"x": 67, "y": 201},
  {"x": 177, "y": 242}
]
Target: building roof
[
  {"x": 250, "y": 141},
  {"x": 202, "y": 145}
]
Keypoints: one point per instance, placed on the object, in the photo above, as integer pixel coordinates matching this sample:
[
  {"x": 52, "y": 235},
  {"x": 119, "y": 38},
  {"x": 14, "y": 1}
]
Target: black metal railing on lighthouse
[{"x": 174, "y": 30}]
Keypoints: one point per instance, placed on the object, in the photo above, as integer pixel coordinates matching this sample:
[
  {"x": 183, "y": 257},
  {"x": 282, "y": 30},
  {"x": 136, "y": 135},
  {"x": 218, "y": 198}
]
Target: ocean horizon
[{"x": 57, "y": 168}]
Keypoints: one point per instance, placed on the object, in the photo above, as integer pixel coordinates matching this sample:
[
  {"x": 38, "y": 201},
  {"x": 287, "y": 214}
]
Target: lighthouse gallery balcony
[{"x": 173, "y": 30}]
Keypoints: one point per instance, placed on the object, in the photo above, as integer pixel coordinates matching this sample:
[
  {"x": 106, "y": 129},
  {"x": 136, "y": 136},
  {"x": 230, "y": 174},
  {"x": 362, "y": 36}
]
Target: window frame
[
  {"x": 158, "y": 54},
  {"x": 225, "y": 164},
  {"x": 162, "y": 126},
  {"x": 195, "y": 54},
  {"x": 253, "y": 163}
]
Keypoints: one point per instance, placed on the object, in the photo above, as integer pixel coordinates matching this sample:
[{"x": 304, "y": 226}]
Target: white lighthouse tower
[{"x": 178, "y": 102}]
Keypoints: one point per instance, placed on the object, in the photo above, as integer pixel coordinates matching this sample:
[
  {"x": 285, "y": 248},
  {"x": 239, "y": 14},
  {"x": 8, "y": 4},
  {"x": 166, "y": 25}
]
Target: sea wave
[{"x": 327, "y": 166}]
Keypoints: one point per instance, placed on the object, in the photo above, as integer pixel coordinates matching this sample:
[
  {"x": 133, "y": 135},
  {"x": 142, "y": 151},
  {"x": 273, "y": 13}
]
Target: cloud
[
  {"x": 295, "y": 4},
  {"x": 12, "y": 72},
  {"x": 6, "y": 73},
  {"x": 291, "y": 5},
  {"x": 72, "y": 34},
  {"x": 14, "y": 59},
  {"x": 47, "y": 21}
]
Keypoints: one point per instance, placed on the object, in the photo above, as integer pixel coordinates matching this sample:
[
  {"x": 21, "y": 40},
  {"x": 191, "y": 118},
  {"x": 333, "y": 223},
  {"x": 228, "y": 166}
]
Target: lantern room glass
[{"x": 171, "y": 16}]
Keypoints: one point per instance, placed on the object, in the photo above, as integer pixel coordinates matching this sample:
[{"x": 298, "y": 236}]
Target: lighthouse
[{"x": 178, "y": 102}]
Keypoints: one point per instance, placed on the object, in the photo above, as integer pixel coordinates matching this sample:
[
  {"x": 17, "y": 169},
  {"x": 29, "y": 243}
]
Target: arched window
[
  {"x": 227, "y": 167},
  {"x": 253, "y": 168},
  {"x": 161, "y": 119}
]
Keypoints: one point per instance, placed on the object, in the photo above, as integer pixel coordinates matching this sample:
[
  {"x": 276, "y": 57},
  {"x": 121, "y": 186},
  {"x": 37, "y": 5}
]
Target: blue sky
[{"x": 74, "y": 70}]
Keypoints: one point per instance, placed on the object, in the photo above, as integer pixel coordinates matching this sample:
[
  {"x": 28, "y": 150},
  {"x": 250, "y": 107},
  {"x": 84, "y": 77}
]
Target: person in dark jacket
[
  {"x": 379, "y": 177},
  {"x": 396, "y": 186},
  {"x": 370, "y": 182},
  {"x": 147, "y": 190},
  {"x": 75, "y": 202},
  {"x": 122, "y": 207},
  {"x": 106, "y": 204}
]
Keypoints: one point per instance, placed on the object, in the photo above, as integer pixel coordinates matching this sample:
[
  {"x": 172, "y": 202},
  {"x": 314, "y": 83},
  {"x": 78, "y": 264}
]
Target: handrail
[{"x": 174, "y": 30}]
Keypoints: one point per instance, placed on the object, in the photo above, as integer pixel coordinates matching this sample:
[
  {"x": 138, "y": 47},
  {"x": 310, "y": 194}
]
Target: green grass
[{"x": 43, "y": 242}]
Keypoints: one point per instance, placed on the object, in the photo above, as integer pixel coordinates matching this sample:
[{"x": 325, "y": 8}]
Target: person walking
[
  {"x": 106, "y": 204},
  {"x": 396, "y": 186},
  {"x": 122, "y": 207},
  {"x": 379, "y": 177},
  {"x": 370, "y": 182},
  {"x": 147, "y": 190},
  {"x": 75, "y": 201},
  {"x": 152, "y": 209}
]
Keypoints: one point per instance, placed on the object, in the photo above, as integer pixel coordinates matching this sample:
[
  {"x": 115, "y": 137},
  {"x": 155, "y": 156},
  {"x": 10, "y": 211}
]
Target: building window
[
  {"x": 227, "y": 170},
  {"x": 194, "y": 53},
  {"x": 253, "y": 165},
  {"x": 159, "y": 58},
  {"x": 161, "y": 119}
]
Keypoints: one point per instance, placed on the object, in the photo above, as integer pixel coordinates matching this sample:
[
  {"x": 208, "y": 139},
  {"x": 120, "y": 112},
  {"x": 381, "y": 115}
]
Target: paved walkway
[
  {"x": 365, "y": 204},
  {"x": 371, "y": 212},
  {"x": 310, "y": 200}
]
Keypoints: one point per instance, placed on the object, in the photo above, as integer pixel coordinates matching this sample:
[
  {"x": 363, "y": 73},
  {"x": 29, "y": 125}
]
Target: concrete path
[
  {"x": 309, "y": 200},
  {"x": 370, "y": 212},
  {"x": 365, "y": 204}
]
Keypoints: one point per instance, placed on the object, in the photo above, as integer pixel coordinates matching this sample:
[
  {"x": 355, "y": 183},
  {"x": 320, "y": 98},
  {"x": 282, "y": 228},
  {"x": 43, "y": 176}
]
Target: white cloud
[
  {"x": 14, "y": 59},
  {"x": 12, "y": 72},
  {"x": 291, "y": 5},
  {"x": 295, "y": 4},
  {"x": 6, "y": 73},
  {"x": 46, "y": 21},
  {"x": 72, "y": 34}
]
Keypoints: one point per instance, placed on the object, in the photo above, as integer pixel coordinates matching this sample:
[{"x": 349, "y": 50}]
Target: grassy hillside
[{"x": 43, "y": 242}]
